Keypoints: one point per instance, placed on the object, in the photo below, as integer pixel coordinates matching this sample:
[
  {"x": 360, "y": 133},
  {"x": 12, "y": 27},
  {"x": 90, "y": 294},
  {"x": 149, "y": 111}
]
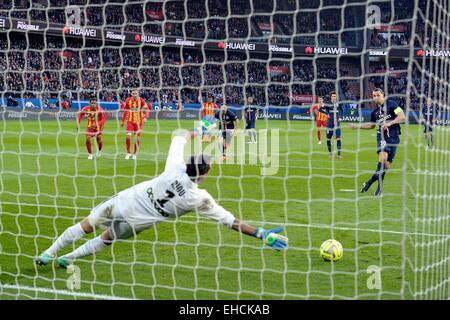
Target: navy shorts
[
  {"x": 427, "y": 128},
  {"x": 390, "y": 146},
  {"x": 336, "y": 131},
  {"x": 250, "y": 124}
]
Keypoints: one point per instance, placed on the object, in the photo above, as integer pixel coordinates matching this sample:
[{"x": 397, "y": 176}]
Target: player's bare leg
[
  {"x": 89, "y": 147},
  {"x": 137, "y": 143},
  {"x": 100, "y": 145},
  {"x": 128, "y": 144}
]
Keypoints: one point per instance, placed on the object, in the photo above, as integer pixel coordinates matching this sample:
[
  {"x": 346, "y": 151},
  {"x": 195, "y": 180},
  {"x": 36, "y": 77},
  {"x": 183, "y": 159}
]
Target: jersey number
[{"x": 169, "y": 196}]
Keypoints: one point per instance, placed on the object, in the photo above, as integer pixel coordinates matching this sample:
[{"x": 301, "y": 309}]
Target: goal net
[{"x": 55, "y": 55}]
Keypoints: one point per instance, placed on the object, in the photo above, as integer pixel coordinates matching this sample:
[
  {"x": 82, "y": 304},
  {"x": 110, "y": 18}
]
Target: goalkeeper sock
[
  {"x": 128, "y": 142},
  {"x": 69, "y": 236},
  {"x": 90, "y": 247},
  {"x": 339, "y": 145},
  {"x": 329, "y": 145},
  {"x": 136, "y": 145},
  {"x": 89, "y": 146}
]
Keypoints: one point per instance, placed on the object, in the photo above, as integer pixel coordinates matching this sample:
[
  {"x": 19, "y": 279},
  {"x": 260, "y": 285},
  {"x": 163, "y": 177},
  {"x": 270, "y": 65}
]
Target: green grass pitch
[{"x": 47, "y": 184}]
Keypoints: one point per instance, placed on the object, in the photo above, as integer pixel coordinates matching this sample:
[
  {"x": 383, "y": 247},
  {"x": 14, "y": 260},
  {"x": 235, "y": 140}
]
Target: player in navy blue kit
[
  {"x": 251, "y": 114},
  {"x": 228, "y": 123},
  {"x": 334, "y": 113},
  {"x": 388, "y": 116},
  {"x": 429, "y": 117}
]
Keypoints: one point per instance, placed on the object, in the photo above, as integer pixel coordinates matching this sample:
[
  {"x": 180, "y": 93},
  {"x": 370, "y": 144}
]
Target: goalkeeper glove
[{"x": 272, "y": 238}]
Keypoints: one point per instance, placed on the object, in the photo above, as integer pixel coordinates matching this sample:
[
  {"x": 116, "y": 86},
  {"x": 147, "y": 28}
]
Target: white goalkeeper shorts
[{"x": 107, "y": 215}]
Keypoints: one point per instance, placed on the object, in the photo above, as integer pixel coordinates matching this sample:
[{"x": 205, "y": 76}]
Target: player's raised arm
[{"x": 210, "y": 209}]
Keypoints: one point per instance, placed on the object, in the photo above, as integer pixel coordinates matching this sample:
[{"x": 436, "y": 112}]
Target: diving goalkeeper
[{"x": 172, "y": 194}]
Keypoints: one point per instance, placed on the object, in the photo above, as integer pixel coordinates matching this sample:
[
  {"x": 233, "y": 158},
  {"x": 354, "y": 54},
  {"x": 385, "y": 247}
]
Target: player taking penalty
[
  {"x": 208, "y": 110},
  {"x": 388, "y": 116},
  {"x": 133, "y": 115},
  {"x": 172, "y": 194},
  {"x": 96, "y": 119},
  {"x": 321, "y": 118}
]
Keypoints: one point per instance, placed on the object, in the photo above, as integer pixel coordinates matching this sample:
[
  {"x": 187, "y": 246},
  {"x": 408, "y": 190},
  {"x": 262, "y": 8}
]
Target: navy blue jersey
[
  {"x": 334, "y": 113},
  {"x": 250, "y": 112},
  {"x": 226, "y": 119},
  {"x": 384, "y": 114},
  {"x": 429, "y": 114}
]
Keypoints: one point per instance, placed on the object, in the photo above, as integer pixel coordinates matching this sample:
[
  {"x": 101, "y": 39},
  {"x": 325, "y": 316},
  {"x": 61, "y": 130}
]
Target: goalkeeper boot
[
  {"x": 43, "y": 259},
  {"x": 63, "y": 262}
]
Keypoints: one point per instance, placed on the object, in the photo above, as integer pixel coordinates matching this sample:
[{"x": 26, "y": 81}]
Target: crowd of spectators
[{"x": 39, "y": 68}]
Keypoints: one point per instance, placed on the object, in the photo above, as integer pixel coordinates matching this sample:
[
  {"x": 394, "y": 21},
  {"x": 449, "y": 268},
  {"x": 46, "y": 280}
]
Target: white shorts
[{"x": 106, "y": 213}]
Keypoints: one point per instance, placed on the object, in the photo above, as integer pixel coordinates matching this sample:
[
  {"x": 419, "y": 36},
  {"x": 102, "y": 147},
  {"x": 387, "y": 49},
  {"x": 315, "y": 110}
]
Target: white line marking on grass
[
  {"x": 62, "y": 292},
  {"x": 347, "y": 190}
]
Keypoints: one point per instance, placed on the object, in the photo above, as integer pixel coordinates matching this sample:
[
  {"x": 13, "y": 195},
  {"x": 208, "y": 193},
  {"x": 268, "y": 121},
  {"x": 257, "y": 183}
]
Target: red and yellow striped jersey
[
  {"x": 133, "y": 111},
  {"x": 209, "y": 109},
  {"x": 319, "y": 116},
  {"x": 95, "y": 117}
]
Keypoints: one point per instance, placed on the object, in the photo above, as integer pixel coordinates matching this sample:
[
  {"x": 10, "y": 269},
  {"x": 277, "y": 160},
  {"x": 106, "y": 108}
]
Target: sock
[
  {"x": 383, "y": 173},
  {"x": 376, "y": 174},
  {"x": 69, "y": 236},
  {"x": 100, "y": 144},
  {"x": 250, "y": 134},
  {"x": 339, "y": 145},
  {"x": 254, "y": 135},
  {"x": 329, "y": 145},
  {"x": 432, "y": 140},
  {"x": 426, "y": 140},
  {"x": 136, "y": 145},
  {"x": 128, "y": 142},
  {"x": 89, "y": 146},
  {"x": 318, "y": 135},
  {"x": 90, "y": 247}
]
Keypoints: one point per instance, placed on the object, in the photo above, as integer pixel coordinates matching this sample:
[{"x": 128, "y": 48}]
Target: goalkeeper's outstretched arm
[{"x": 269, "y": 237}]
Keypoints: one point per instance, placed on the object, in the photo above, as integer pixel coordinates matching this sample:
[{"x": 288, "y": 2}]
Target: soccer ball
[{"x": 331, "y": 250}]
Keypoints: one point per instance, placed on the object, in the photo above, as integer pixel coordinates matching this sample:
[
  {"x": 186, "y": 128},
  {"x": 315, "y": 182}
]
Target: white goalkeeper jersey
[{"x": 170, "y": 195}]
